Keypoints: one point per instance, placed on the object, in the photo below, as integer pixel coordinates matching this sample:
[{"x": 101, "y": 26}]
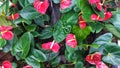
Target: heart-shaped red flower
[
  {"x": 101, "y": 65},
  {"x": 51, "y": 46},
  {"x": 82, "y": 23},
  {"x": 108, "y": 15},
  {"x": 65, "y": 4},
  {"x": 94, "y": 1},
  {"x": 6, "y": 64},
  {"x": 71, "y": 40},
  {"x": 99, "y": 6},
  {"x": 41, "y": 6},
  {"x": 14, "y": 16},
  {"x": 93, "y": 58}
]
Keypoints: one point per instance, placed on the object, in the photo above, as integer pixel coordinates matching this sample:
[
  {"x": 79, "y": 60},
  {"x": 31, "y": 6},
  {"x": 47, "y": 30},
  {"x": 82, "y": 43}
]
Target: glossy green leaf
[
  {"x": 2, "y": 42},
  {"x": 81, "y": 34},
  {"x": 34, "y": 63},
  {"x": 79, "y": 65},
  {"x": 103, "y": 39},
  {"x": 85, "y": 9},
  {"x": 60, "y": 31},
  {"x": 113, "y": 30},
  {"x": 38, "y": 55},
  {"x": 112, "y": 54},
  {"x": 31, "y": 27},
  {"x": 22, "y": 46},
  {"x": 46, "y": 33},
  {"x": 55, "y": 62},
  {"x": 23, "y": 3},
  {"x": 29, "y": 13}
]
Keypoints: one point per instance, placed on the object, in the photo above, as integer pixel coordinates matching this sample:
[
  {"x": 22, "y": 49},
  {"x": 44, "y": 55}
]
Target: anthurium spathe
[
  {"x": 71, "y": 40},
  {"x": 14, "y": 16},
  {"x": 93, "y": 58},
  {"x": 94, "y": 1},
  {"x": 41, "y": 5},
  {"x": 65, "y": 4},
  {"x": 6, "y": 33},
  {"x": 6, "y": 64},
  {"x": 101, "y": 65},
  {"x": 54, "y": 46},
  {"x": 82, "y": 23},
  {"x": 99, "y": 6}
]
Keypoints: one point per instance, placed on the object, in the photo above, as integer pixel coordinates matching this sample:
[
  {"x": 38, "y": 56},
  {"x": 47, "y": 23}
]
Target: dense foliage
[{"x": 60, "y": 33}]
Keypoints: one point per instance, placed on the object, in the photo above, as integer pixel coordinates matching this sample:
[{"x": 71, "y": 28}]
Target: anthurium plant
[{"x": 60, "y": 33}]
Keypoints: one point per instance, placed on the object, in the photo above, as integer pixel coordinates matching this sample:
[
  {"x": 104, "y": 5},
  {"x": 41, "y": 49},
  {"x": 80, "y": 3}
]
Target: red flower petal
[
  {"x": 94, "y": 17},
  {"x": 71, "y": 40},
  {"x": 7, "y": 64},
  {"x": 108, "y": 15},
  {"x": 99, "y": 6},
  {"x": 41, "y": 6},
  {"x": 51, "y": 46},
  {"x": 55, "y": 47},
  {"x": 94, "y": 1},
  {"x": 82, "y": 23},
  {"x": 8, "y": 35},
  {"x": 14, "y": 16},
  {"x": 101, "y": 65},
  {"x": 28, "y": 66},
  {"x": 46, "y": 46},
  {"x": 5, "y": 28},
  {"x": 93, "y": 58},
  {"x": 65, "y": 4}
]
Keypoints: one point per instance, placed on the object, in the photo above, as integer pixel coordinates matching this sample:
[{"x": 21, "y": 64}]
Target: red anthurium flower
[
  {"x": 101, "y": 65},
  {"x": 6, "y": 64},
  {"x": 94, "y": 1},
  {"x": 99, "y": 6},
  {"x": 41, "y": 6},
  {"x": 65, "y": 4},
  {"x": 51, "y": 46},
  {"x": 96, "y": 17},
  {"x": 14, "y": 16},
  {"x": 108, "y": 15},
  {"x": 93, "y": 58},
  {"x": 82, "y": 23},
  {"x": 71, "y": 40},
  {"x": 28, "y": 66},
  {"x": 6, "y": 33}
]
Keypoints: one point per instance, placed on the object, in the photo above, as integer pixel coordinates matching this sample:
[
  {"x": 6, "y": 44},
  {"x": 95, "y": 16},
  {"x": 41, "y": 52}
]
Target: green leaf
[
  {"x": 34, "y": 63},
  {"x": 60, "y": 31},
  {"x": 70, "y": 18},
  {"x": 94, "y": 46},
  {"x": 2, "y": 42},
  {"x": 79, "y": 65},
  {"x": 29, "y": 13},
  {"x": 39, "y": 21},
  {"x": 23, "y": 3},
  {"x": 55, "y": 62},
  {"x": 46, "y": 33},
  {"x": 103, "y": 39},
  {"x": 70, "y": 49},
  {"x": 115, "y": 20},
  {"x": 38, "y": 55},
  {"x": 112, "y": 54},
  {"x": 7, "y": 6},
  {"x": 96, "y": 27},
  {"x": 31, "y": 27},
  {"x": 85, "y": 9},
  {"x": 113, "y": 30},
  {"x": 81, "y": 34},
  {"x": 22, "y": 46}
]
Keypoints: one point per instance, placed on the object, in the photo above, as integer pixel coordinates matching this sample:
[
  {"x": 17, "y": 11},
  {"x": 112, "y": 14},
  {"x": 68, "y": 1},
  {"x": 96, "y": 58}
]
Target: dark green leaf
[
  {"x": 112, "y": 54},
  {"x": 34, "y": 63},
  {"x": 55, "y": 61},
  {"x": 22, "y": 46},
  {"x": 31, "y": 27},
  {"x": 113, "y": 30},
  {"x": 46, "y": 33},
  {"x": 29, "y": 13},
  {"x": 23, "y": 3},
  {"x": 60, "y": 31},
  {"x": 79, "y": 65}
]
